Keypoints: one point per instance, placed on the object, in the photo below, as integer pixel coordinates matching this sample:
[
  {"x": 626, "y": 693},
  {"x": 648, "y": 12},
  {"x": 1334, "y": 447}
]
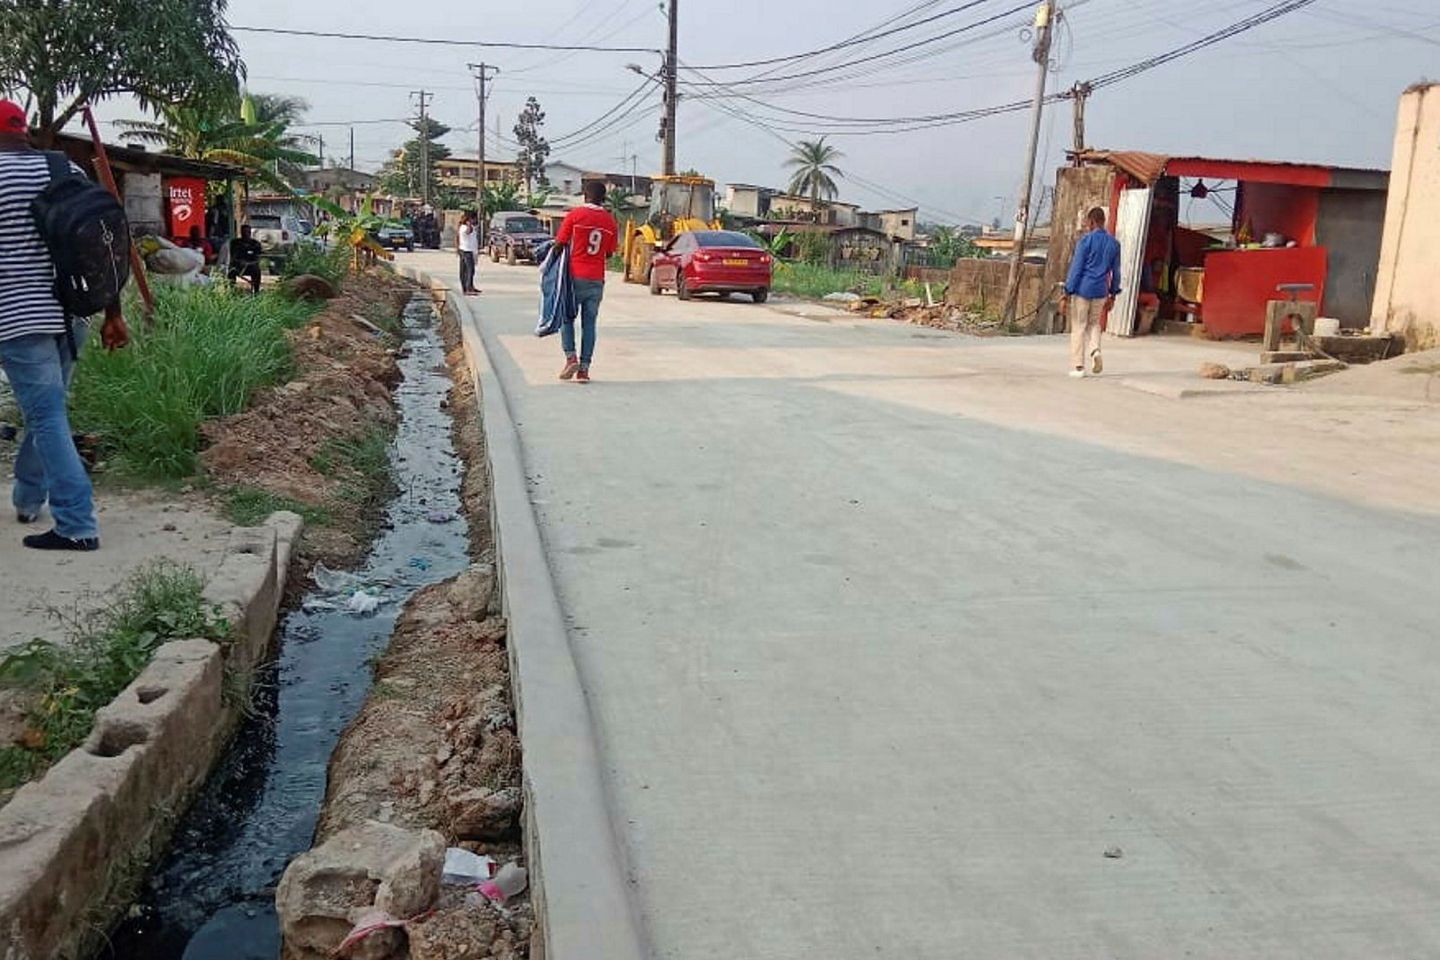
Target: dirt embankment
[
  {"x": 435, "y": 745},
  {"x": 316, "y": 443}
]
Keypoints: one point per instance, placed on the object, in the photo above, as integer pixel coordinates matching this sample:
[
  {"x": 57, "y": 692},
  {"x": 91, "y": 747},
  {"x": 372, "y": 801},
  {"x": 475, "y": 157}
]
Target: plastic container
[{"x": 1327, "y": 327}]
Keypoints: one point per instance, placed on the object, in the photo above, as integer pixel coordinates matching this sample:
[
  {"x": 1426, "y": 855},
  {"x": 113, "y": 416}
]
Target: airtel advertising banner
[{"x": 187, "y": 206}]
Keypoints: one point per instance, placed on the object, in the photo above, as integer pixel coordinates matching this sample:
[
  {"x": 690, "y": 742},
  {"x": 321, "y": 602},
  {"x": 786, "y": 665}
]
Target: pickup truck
[
  {"x": 278, "y": 234},
  {"x": 396, "y": 235}
]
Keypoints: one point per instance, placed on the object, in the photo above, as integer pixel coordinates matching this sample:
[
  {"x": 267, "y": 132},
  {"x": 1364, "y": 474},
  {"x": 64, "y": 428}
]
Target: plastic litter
[
  {"x": 362, "y": 604},
  {"x": 509, "y": 881},
  {"x": 334, "y": 581},
  {"x": 419, "y": 563},
  {"x": 842, "y": 297},
  {"x": 466, "y": 869},
  {"x": 439, "y": 516}
]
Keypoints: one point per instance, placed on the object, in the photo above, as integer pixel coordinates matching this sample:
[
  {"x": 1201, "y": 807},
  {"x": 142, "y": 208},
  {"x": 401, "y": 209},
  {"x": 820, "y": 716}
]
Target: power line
[
  {"x": 853, "y": 41},
  {"x": 879, "y": 56},
  {"x": 445, "y": 42}
]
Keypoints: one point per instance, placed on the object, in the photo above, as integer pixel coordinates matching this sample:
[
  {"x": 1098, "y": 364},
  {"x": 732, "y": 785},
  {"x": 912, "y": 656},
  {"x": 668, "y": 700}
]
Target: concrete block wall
[
  {"x": 74, "y": 844},
  {"x": 1407, "y": 288}
]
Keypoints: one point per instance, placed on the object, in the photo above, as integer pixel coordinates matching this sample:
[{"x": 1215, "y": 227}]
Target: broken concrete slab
[
  {"x": 368, "y": 869},
  {"x": 73, "y": 844}
]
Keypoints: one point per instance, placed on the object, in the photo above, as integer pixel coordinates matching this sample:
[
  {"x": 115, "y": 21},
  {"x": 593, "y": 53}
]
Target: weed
[
  {"x": 249, "y": 506},
  {"x": 809, "y": 280},
  {"x": 385, "y": 316},
  {"x": 66, "y": 683},
  {"x": 332, "y": 265},
  {"x": 208, "y": 351}
]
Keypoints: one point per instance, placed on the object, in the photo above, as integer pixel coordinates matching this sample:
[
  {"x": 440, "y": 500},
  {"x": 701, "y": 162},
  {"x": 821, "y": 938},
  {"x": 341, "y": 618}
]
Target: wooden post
[{"x": 107, "y": 180}]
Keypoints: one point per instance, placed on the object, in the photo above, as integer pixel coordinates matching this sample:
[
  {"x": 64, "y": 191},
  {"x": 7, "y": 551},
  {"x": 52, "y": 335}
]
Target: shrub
[
  {"x": 333, "y": 264},
  {"x": 808, "y": 280},
  {"x": 208, "y": 351}
]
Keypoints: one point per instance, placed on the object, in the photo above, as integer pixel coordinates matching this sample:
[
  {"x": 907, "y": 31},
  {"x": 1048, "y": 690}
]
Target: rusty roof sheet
[{"x": 1149, "y": 167}]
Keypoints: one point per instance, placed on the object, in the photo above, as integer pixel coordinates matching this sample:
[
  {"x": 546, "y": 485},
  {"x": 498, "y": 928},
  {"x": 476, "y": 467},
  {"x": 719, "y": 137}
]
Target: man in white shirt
[{"x": 469, "y": 242}]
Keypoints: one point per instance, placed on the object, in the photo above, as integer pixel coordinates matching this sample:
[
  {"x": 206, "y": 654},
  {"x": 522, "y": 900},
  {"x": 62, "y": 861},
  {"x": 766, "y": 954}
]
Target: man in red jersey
[{"x": 591, "y": 234}]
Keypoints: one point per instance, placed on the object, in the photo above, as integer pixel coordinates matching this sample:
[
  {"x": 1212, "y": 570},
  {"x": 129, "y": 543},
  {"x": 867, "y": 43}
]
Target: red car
[{"x": 712, "y": 261}]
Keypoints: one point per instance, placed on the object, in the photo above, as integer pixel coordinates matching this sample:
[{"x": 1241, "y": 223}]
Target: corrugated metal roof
[{"x": 1149, "y": 167}]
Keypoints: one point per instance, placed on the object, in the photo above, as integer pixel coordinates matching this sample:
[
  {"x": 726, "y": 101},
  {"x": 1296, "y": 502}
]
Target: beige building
[
  {"x": 459, "y": 172},
  {"x": 1407, "y": 289}
]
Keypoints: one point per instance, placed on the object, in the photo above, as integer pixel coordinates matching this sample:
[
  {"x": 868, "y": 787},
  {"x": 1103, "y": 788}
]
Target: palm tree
[
  {"x": 254, "y": 134},
  {"x": 815, "y": 170}
]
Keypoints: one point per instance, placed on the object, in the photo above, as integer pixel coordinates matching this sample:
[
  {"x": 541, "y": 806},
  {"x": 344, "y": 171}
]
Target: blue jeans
[
  {"x": 588, "y": 294},
  {"x": 48, "y": 467}
]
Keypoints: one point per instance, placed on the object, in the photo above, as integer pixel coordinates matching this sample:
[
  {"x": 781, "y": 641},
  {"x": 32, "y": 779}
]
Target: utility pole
[
  {"x": 672, "y": 69},
  {"x": 424, "y": 97},
  {"x": 481, "y": 73},
  {"x": 352, "y": 148},
  {"x": 1045, "y": 19},
  {"x": 1079, "y": 94},
  {"x": 321, "y": 138}
]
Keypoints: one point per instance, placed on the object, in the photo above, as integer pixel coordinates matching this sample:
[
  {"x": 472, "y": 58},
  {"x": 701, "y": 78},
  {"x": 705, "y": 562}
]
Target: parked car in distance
[
  {"x": 712, "y": 261},
  {"x": 514, "y": 236},
  {"x": 395, "y": 235},
  {"x": 278, "y": 233}
]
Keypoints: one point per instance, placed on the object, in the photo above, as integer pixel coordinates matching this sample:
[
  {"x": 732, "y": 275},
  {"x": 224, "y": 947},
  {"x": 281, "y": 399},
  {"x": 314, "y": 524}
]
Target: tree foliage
[
  {"x": 534, "y": 148},
  {"x": 62, "y": 55},
  {"x": 815, "y": 170},
  {"x": 250, "y": 132},
  {"x": 948, "y": 245},
  {"x": 402, "y": 173}
]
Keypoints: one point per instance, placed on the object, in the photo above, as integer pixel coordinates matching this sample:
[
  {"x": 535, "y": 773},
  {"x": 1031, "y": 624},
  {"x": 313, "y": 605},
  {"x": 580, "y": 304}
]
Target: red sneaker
[
  {"x": 572, "y": 367},
  {"x": 582, "y": 375}
]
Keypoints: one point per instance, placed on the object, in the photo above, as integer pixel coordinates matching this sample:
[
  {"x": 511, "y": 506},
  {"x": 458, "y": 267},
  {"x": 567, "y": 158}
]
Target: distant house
[
  {"x": 747, "y": 201},
  {"x": 855, "y": 248},
  {"x": 637, "y": 186},
  {"x": 895, "y": 223},
  {"x": 565, "y": 178},
  {"x": 459, "y": 172},
  {"x": 789, "y": 206}
]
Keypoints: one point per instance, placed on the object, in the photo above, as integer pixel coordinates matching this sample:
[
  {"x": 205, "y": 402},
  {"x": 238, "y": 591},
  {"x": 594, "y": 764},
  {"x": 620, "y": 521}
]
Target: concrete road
[{"x": 892, "y": 635}]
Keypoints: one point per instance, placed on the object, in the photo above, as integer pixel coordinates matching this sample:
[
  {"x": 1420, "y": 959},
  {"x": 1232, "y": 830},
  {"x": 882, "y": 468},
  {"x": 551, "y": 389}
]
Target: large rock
[
  {"x": 308, "y": 286},
  {"x": 480, "y": 814},
  {"x": 361, "y": 870}
]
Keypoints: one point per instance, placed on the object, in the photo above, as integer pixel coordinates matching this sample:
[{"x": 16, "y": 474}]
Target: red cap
[{"x": 12, "y": 117}]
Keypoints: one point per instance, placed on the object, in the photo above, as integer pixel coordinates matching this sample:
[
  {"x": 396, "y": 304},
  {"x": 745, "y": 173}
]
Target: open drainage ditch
[{"x": 212, "y": 896}]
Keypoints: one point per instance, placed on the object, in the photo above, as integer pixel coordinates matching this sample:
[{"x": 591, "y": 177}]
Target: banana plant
[{"x": 357, "y": 230}]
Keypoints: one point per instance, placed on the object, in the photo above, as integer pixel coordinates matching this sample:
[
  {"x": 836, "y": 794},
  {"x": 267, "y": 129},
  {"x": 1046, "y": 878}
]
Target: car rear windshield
[
  {"x": 524, "y": 225},
  {"x": 264, "y": 222},
  {"x": 725, "y": 238}
]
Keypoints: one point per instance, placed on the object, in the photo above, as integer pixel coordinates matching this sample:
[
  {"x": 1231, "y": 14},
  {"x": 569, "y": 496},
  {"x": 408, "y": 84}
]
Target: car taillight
[
  {"x": 703, "y": 257},
  {"x": 765, "y": 259}
]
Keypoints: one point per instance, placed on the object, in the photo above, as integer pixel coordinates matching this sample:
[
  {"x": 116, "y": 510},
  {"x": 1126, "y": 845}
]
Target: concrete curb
[
  {"x": 74, "y": 844},
  {"x": 579, "y": 879}
]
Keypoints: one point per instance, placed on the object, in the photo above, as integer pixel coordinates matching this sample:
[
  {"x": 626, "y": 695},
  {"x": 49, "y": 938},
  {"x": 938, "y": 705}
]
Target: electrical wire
[{"x": 439, "y": 41}]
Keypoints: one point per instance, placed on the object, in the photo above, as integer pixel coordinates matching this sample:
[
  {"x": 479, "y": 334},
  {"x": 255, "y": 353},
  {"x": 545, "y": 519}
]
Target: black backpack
[{"x": 85, "y": 229}]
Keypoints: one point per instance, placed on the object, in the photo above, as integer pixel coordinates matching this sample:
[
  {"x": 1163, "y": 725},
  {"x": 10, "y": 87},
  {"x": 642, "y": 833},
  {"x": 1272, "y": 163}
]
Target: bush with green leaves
[
  {"x": 332, "y": 264},
  {"x": 207, "y": 352},
  {"x": 66, "y": 683}
]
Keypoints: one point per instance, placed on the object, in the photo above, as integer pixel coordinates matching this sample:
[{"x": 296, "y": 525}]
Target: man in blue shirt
[{"x": 1090, "y": 291}]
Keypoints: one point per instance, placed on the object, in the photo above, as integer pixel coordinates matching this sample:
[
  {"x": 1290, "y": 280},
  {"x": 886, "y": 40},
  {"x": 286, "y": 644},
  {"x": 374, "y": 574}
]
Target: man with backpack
[{"x": 61, "y": 244}]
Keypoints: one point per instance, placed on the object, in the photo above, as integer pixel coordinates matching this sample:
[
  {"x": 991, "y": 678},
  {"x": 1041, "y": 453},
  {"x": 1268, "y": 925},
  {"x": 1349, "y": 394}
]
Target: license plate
[{"x": 737, "y": 263}]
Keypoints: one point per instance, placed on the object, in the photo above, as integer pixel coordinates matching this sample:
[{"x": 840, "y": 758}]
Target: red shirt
[{"x": 592, "y": 235}]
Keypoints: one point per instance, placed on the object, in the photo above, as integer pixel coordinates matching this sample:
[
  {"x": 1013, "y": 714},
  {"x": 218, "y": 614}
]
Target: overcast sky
[{"x": 1320, "y": 84}]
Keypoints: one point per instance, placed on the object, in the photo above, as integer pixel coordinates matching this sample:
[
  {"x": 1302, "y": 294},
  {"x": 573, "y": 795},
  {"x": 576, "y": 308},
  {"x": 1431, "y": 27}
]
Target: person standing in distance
[
  {"x": 37, "y": 352},
  {"x": 468, "y": 243},
  {"x": 1090, "y": 291},
  {"x": 591, "y": 235}
]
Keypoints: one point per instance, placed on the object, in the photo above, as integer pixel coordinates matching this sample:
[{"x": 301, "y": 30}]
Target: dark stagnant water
[{"x": 212, "y": 896}]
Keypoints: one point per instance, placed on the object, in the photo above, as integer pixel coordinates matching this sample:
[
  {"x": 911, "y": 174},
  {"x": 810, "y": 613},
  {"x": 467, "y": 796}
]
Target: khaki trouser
[{"x": 1085, "y": 318}]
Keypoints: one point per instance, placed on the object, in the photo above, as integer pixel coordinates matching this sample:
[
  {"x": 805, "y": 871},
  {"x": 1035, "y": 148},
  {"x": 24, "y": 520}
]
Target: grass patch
[
  {"x": 68, "y": 682},
  {"x": 332, "y": 265},
  {"x": 207, "y": 353},
  {"x": 814, "y": 282},
  {"x": 249, "y": 506}
]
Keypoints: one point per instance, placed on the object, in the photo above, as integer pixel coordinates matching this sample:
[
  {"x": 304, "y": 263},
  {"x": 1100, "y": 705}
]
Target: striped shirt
[{"x": 27, "y": 274}]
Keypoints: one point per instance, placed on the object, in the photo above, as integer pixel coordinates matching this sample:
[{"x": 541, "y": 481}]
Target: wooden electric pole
[
  {"x": 672, "y": 69},
  {"x": 424, "y": 97},
  {"x": 1045, "y": 19},
  {"x": 482, "y": 73}
]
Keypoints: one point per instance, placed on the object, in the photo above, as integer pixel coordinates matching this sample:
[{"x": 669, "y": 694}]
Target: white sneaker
[{"x": 1077, "y": 374}]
